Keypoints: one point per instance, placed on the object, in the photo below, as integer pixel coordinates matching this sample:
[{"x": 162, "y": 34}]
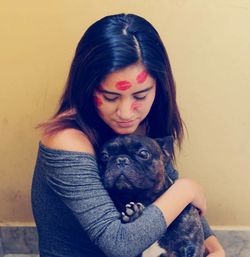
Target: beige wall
[{"x": 209, "y": 47}]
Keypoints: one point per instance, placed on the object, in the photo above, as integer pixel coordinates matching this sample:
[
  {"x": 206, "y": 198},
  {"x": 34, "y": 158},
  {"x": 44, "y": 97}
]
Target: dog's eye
[
  {"x": 144, "y": 154},
  {"x": 104, "y": 156}
]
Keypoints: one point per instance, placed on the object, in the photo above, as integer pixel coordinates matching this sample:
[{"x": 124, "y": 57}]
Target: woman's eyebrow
[
  {"x": 144, "y": 90},
  {"x": 114, "y": 93},
  {"x": 107, "y": 92}
]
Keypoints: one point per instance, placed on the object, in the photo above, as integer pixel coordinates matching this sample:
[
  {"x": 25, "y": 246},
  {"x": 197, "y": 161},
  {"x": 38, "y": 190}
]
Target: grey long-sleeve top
[{"x": 75, "y": 216}]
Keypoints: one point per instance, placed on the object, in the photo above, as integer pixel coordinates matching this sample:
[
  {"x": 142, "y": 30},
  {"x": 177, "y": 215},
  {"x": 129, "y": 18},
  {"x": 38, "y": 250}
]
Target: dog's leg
[{"x": 132, "y": 212}]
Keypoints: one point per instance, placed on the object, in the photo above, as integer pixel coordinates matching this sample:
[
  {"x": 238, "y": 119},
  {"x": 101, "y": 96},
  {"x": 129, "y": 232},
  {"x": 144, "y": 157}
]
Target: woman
[{"x": 120, "y": 82}]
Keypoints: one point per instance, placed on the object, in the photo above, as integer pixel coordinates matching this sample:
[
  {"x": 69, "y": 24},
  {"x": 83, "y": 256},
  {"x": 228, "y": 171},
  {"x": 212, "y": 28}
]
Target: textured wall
[{"x": 209, "y": 47}]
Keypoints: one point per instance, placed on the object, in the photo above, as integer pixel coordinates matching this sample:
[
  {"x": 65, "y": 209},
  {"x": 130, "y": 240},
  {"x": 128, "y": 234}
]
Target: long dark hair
[{"x": 110, "y": 44}]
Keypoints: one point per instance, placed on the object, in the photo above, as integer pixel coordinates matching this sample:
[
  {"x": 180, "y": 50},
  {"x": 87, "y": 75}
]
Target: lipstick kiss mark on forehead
[
  {"x": 141, "y": 77},
  {"x": 135, "y": 105},
  {"x": 123, "y": 85}
]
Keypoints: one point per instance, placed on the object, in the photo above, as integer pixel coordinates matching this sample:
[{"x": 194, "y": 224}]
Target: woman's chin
[{"x": 125, "y": 131}]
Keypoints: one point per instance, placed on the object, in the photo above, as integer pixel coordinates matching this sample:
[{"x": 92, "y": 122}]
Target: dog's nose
[{"x": 122, "y": 161}]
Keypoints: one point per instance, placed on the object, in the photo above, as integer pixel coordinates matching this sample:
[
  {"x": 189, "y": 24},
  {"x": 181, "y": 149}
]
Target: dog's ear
[{"x": 166, "y": 144}]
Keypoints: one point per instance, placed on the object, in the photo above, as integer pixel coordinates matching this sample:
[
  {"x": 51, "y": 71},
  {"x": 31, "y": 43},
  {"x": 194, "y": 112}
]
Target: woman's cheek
[{"x": 103, "y": 106}]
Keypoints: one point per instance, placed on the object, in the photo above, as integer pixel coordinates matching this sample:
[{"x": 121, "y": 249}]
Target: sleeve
[
  {"x": 173, "y": 174},
  {"x": 74, "y": 177}
]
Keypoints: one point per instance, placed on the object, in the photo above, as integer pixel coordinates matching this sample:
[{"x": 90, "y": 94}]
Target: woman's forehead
[{"x": 132, "y": 77}]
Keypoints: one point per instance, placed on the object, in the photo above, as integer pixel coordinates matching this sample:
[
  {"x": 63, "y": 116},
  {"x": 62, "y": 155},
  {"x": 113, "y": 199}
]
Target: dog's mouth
[{"x": 122, "y": 182}]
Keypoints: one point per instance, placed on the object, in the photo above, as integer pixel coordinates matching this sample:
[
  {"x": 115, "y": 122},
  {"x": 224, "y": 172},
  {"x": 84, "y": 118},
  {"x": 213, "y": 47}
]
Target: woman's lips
[{"x": 126, "y": 124}]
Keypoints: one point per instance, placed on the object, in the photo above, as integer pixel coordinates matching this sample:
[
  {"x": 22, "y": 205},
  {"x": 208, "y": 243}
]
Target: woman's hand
[{"x": 214, "y": 247}]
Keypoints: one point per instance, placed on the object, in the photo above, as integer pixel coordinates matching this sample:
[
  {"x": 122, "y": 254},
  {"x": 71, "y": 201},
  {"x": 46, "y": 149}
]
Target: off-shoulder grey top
[{"x": 75, "y": 216}]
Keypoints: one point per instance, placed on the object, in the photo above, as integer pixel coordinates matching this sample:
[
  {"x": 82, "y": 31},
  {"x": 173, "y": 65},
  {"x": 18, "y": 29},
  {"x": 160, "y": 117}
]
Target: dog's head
[{"x": 135, "y": 164}]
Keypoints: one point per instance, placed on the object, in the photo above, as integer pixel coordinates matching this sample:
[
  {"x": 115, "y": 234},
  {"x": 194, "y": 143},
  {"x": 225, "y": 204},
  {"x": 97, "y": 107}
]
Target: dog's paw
[{"x": 132, "y": 212}]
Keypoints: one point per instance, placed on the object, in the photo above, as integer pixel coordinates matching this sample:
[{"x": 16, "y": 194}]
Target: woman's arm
[{"x": 178, "y": 196}]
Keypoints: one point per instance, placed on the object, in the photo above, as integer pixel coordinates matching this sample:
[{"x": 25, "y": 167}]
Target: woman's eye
[
  {"x": 138, "y": 97},
  {"x": 110, "y": 99},
  {"x": 144, "y": 154}
]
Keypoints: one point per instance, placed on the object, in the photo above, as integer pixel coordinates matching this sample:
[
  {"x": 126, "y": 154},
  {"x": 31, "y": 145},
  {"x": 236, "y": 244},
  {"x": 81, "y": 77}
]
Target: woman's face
[{"x": 125, "y": 97}]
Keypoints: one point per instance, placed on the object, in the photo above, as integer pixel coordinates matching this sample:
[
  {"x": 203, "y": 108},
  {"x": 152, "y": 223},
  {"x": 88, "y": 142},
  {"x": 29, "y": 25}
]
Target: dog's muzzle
[{"x": 122, "y": 161}]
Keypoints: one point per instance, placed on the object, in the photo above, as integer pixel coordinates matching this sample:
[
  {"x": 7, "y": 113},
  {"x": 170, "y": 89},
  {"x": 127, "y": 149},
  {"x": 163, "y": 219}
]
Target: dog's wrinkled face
[{"x": 133, "y": 163}]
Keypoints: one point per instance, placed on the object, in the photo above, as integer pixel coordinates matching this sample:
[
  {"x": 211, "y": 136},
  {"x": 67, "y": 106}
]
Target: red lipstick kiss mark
[
  {"x": 98, "y": 101},
  {"x": 123, "y": 85},
  {"x": 141, "y": 77},
  {"x": 135, "y": 106},
  {"x": 100, "y": 87}
]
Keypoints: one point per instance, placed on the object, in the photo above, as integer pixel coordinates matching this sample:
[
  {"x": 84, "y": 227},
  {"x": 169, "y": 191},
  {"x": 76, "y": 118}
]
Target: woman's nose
[{"x": 124, "y": 110}]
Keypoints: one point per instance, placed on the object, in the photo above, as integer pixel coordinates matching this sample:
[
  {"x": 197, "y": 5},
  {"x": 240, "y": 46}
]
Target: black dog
[{"x": 133, "y": 170}]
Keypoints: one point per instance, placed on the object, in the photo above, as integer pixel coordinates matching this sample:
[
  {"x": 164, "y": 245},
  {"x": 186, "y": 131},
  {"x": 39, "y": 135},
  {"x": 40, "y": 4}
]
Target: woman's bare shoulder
[{"x": 70, "y": 140}]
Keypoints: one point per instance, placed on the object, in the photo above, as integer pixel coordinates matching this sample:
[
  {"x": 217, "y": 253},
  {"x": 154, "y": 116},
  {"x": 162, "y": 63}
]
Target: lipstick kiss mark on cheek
[
  {"x": 123, "y": 85},
  {"x": 98, "y": 101},
  {"x": 135, "y": 106},
  {"x": 100, "y": 87},
  {"x": 141, "y": 77}
]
